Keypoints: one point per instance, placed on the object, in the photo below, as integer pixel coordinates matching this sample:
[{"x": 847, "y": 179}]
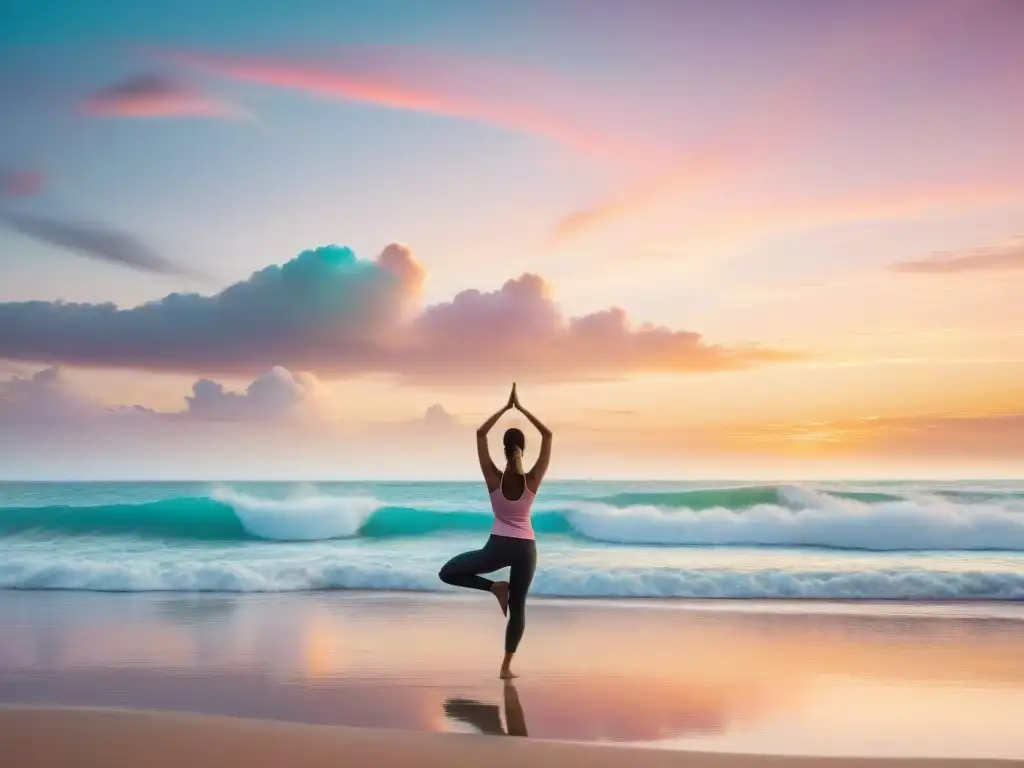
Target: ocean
[{"x": 913, "y": 541}]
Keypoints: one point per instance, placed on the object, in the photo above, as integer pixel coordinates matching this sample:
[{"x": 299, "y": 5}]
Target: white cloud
[
  {"x": 46, "y": 397},
  {"x": 276, "y": 397},
  {"x": 276, "y": 394}
]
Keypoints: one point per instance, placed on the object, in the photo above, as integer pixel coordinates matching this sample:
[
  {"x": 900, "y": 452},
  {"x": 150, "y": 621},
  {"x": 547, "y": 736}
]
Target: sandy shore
[
  {"x": 694, "y": 679},
  {"x": 87, "y": 738}
]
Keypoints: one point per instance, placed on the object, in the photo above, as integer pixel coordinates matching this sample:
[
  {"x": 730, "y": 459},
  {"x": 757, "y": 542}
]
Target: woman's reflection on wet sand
[{"x": 486, "y": 718}]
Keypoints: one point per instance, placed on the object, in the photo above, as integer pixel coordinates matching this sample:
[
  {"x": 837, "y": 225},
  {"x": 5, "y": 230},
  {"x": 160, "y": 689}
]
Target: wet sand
[
  {"x": 102, "y": 739},
  {"x": 820, "y": 679}
]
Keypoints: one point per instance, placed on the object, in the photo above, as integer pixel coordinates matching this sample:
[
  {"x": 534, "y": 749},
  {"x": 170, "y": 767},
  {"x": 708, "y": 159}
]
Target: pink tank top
[{"x": 512, "y": 518}]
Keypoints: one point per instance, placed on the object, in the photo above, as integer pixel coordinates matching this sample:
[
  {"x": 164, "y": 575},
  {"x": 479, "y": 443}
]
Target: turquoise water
[{"x": 909, "y": 541}]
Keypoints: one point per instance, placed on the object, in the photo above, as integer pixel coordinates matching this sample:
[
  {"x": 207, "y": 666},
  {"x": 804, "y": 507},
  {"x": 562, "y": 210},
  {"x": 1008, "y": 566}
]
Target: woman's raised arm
[
  {"x": 540, "y": 468},
  {"x": 492, "y": 476}
]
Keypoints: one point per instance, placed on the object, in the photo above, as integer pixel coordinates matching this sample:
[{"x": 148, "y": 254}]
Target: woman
[{"x": 511, "y": 543}]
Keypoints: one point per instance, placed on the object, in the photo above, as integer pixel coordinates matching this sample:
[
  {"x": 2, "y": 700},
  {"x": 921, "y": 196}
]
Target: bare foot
[
  {"x": 500, "y": 590},
  {"x": 507, "y": 674}
]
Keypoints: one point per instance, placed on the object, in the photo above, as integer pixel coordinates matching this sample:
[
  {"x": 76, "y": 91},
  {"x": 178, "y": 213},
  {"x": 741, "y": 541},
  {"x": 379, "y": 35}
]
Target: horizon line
[{"x": 411, "y": 481}]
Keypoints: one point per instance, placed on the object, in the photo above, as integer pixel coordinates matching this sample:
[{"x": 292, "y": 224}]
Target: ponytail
[
  {"x": 517, "y": 461},
  {"x": 514, "y": 442}
]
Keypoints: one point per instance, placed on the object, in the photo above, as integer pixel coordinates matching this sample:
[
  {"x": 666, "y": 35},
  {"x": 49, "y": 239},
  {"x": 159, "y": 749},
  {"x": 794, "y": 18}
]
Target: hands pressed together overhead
[
  {"x": 513, "y": 400},
  {"x": 491, "y": 473}
]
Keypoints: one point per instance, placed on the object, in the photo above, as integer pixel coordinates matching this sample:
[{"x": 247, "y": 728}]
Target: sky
[{"x": 320, "y": 239}]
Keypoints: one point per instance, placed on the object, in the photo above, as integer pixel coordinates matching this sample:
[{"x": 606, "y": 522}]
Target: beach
[
  {"x": 95, "y": 739},
  {"x": 669, "y": 620},
  {"x": 799, "y": 678}
]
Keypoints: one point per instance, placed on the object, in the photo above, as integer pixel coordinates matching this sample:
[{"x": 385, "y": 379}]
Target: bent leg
[
  {"x": 519, "y": 582},
  {"x": 464, "y": 570}
]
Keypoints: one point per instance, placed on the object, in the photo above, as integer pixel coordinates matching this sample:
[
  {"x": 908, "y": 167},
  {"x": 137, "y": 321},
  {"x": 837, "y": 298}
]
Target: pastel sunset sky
[{"x": 319, "y": 239}]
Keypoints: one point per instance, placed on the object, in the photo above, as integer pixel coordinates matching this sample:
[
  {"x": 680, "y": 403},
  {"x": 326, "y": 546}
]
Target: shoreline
[
  {"x": 94, "y": 737},
  {"x": 623, "y": 600}
]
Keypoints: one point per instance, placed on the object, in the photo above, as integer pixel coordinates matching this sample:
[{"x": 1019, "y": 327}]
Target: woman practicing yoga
[{"x": 511, "y": 543}]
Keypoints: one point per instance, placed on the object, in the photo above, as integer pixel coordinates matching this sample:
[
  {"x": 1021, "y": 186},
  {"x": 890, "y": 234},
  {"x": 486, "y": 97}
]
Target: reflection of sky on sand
[{"x": 877, "y": 681}]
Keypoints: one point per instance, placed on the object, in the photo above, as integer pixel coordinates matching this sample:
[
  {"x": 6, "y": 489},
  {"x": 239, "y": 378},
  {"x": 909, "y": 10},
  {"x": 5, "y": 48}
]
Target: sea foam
[
  {"x": 814, "y": 519},
  {"x": 553, "y": 579},
  {"x": 307, "y": 518}
]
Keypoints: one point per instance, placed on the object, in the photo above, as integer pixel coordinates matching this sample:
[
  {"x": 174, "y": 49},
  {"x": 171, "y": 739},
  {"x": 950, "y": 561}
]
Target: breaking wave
[{"x": 770, "y": 516}]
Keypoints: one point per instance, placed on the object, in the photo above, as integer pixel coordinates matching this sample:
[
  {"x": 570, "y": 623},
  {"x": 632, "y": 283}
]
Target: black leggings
[{"x": 499, "y": 552}]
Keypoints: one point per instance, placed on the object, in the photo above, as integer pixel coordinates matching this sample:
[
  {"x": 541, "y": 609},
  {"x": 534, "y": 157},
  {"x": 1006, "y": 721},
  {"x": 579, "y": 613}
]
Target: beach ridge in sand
[{"x": 97, "y": 737}]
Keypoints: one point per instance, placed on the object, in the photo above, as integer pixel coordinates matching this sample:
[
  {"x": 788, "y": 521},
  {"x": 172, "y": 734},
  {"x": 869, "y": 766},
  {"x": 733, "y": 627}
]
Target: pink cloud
[
  {"x": 1005, "y": 256},
  {"x": 45, "y": 397},
  {"x": 21, "y": 183},
  {"x": 406, "y": 80},
  {"x": 276, "y": 394},
  {"x": 519, "y": 328},
  {"x": 332, "y": 314},
  {"x": 700, "y": 172},
  {"x": 147, "y": 96},
  {"x": 276, "y": 397}
]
